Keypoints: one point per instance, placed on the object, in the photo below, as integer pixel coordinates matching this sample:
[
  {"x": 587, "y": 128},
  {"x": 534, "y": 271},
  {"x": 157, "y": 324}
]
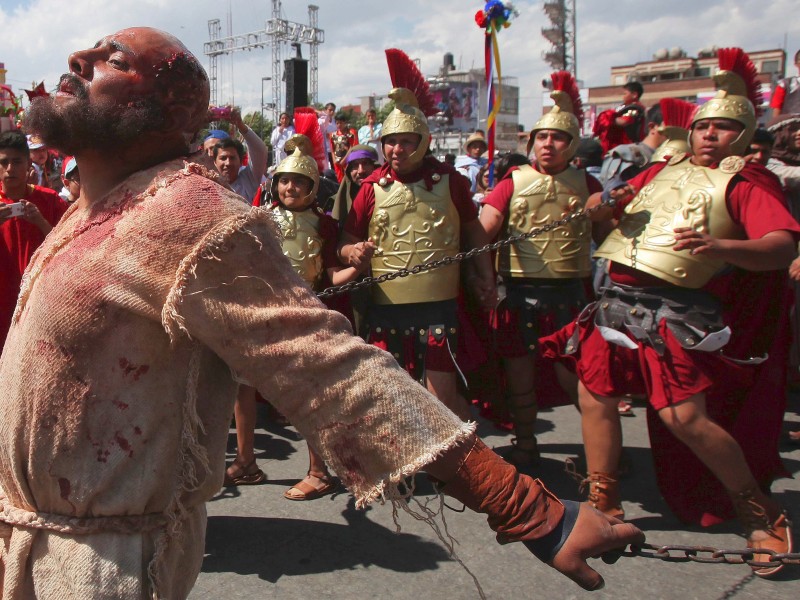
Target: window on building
[
  {"x": 771, "y": 66},
  {"x": 702, "y": 72}
]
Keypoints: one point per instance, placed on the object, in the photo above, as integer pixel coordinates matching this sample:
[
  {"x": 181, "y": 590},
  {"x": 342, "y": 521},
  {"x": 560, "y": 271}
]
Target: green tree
[{"x": 263, "y": 127}]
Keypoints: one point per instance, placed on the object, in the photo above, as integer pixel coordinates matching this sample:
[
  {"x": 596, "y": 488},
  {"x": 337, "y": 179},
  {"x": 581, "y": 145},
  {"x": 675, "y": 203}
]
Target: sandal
[
  {"x": 522, "y": 457},
  {"x": 249, "y": 474},
  {"x": 312, "y": 487}
]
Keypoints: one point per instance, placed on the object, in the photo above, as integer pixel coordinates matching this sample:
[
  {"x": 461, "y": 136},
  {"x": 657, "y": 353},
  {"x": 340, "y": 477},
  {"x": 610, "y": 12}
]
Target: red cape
[{"x": 754, "y": 416}]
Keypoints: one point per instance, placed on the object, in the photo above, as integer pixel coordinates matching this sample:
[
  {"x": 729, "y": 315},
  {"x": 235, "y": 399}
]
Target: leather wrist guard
[{"x": 519, "y": 508}]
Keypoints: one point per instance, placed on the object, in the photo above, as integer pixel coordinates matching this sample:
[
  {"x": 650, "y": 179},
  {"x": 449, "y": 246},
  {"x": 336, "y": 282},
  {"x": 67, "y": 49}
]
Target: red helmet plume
[
  {"x": 404, "y": 73},
  {"x": 563, "y": 81},
  {"x": 307, "y": 124}
]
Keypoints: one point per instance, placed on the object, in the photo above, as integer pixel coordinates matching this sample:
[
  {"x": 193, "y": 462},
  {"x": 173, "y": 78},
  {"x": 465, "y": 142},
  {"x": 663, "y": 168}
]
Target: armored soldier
[
  {"x": 412, "y": 210},
  {"x": 682, "y": 320},
  {"x": 543, "y": 276}
]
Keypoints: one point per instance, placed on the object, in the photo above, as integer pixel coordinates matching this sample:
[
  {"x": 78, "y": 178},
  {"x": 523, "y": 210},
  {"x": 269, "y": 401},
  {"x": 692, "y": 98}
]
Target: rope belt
[{"x": 11, "y": 516}]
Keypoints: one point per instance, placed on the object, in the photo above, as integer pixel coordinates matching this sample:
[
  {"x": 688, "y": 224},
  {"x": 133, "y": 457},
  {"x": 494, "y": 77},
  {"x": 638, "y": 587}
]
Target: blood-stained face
[{"x": 128, "y": 83}]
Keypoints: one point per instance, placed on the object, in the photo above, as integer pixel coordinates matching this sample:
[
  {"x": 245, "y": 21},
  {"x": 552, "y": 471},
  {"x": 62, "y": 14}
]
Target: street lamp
[{"x": 264, "y": 80}]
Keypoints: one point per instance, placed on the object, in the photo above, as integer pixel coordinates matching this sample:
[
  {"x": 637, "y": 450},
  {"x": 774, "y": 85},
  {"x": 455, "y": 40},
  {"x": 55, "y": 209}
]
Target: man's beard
[{"x": 77, "y": 125}]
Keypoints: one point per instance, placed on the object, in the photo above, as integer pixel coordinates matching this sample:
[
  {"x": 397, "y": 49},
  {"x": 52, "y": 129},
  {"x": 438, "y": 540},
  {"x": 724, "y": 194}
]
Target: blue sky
[{"x": 38, "y": 35}]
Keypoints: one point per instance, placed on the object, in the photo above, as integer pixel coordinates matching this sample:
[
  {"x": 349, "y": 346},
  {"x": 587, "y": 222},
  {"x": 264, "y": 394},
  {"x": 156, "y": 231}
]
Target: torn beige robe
[{"x": 116, "y": 387}]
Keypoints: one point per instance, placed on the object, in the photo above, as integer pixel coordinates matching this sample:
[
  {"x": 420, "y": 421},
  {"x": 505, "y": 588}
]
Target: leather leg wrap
[{"x": 518, "y": 507}]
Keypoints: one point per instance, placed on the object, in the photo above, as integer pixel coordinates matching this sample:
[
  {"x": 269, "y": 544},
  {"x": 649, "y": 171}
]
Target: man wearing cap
[
  {"x": 543, "y": 276},
  {"x": 41, "y": 172},
  {"x": 21, "y": 233},
  {"x": 153, "y": 293},
  {"x": 213, "y": 137},
  {"x": 698, "y": 294},
  {"x": 71, "y": 180},
  {"x": 470, "y": 163}
]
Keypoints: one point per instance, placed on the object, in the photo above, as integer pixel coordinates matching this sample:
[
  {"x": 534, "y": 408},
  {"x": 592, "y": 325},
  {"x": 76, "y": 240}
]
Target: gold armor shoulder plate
[
  {"x": 732, "y": 164},
  {"x": 538, "y": 198},
  {"x": 302, "y": 243},
  {"x": 682, "y": 195},
  {"x": 411, "y": 226}
]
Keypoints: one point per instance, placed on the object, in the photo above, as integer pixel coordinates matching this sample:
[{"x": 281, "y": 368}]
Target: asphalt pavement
[{"x": 260, "y": 545}]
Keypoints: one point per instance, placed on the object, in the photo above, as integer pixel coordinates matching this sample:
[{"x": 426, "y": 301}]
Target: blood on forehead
[{"x": 180, "y": 75}]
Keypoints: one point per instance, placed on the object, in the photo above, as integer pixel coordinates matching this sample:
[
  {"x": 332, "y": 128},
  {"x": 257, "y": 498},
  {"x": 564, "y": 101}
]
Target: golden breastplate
[
  {"x": 411, "y": 226},
  {"x": 301, "y": 244},
  {"x": 681, "y": 195},
  {"x": 539, "y": 199}
]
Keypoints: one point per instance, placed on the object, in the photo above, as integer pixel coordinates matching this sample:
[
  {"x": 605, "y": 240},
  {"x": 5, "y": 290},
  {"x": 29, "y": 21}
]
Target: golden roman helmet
[
  {"x": 738, "y": 95},
  {"x": 566, "y": 114},
  {"x": 413, "y": 102},
  {"x": 676, "y": 117},
  {"x": 301, "y": 161},
  {"x": 407, "y": 118}
]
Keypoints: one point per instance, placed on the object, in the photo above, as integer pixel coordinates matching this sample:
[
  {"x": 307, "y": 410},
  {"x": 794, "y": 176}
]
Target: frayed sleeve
[{"x": 371, "y": 422}]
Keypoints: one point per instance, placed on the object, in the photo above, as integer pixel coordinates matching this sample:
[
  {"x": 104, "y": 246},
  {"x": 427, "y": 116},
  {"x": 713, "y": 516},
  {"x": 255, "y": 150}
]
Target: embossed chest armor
[
  {"x": 538, "y": 198},
  {"x": 681, "y": 195},
  {"x": 302, "y": 243},
  {"x": 411, "y": 225}
]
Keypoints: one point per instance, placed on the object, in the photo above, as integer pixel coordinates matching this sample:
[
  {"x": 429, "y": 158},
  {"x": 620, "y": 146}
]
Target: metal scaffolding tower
[
  {"x": 562, "y": 35},
  {"x": 277, "y": 33}
]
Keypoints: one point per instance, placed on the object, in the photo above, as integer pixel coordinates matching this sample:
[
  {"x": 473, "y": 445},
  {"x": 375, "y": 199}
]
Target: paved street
[{"x": 262, "y": 546}]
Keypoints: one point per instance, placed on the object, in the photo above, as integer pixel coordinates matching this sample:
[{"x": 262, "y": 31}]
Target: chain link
[
  {"x": 665, "y": 552},
  {"x": 715, "y": 555},
  {"x": 448, "y": 260}
]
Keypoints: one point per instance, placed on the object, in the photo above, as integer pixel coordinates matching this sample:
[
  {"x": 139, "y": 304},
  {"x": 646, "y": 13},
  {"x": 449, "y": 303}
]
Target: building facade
[{"x": 674, "y": 74}]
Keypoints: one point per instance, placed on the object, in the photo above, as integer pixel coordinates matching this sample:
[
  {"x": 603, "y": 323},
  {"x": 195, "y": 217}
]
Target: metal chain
[
  {"x": 448, "y": 260},
  {"x": 715, "y": 555},
  {"x": 689, "y": 553}
]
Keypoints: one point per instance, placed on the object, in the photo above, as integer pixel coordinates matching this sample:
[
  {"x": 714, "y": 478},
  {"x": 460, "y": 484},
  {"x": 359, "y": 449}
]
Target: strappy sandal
[
  {"x": 522, "y": 457},
  {"x": 249, "y": 474},
  {"x": 602, "y": 490},
  {"x": 312, "y": 487}
]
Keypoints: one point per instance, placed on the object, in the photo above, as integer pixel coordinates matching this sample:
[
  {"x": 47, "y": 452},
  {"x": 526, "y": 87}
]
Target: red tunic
[
  {"x": 747, "y": 401},
  {"x": 438, "y": 354},
  {"x": 18, "y": 241},
  {"x": 507, "y": 324}
]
